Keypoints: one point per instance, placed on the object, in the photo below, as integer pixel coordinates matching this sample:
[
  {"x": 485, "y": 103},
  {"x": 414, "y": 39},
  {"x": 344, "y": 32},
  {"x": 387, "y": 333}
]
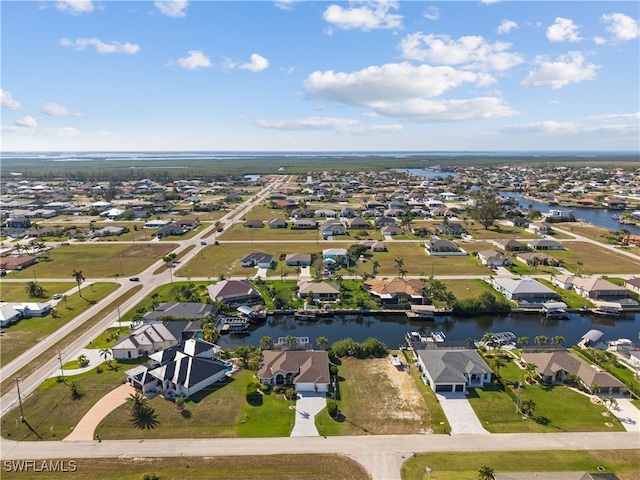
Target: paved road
[{"x": 381, "y": 455}]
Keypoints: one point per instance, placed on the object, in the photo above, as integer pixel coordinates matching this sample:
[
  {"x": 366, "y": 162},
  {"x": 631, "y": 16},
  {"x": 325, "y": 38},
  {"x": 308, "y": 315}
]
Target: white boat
[{"x": 438, "y": 336}]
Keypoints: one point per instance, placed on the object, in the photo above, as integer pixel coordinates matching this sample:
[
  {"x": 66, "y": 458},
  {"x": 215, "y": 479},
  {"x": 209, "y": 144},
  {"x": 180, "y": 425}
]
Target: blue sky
[{"x": 304, "y": 76}]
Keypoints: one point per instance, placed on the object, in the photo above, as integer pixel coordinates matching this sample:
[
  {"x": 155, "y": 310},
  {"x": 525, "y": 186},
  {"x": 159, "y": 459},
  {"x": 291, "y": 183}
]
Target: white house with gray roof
[
  {"x": 452, "y": 370},
  {"x": 524, "y": 291}
]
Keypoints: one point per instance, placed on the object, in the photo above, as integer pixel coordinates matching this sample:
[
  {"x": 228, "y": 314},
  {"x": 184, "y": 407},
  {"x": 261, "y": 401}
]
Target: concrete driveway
[
  {"x": 308, "y": 405},
  {"x": 627, "y": 413},
  {"x": 461, "y": 416}
]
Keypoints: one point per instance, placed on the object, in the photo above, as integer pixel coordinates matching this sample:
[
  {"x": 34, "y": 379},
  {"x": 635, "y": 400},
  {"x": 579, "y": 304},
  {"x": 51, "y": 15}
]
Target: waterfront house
[
  {"x": 306, "y": 371},
  {"x": 452, "y": 370},
  {"x": 326, "y": 292},
  {"x": 393, "y": 290},
  {"x": 525, "y": 291},
  {"x": 538, "y": 228},
  {"x": 596, "y": 288},
  {"x": 153, "y": 336},
  {"x": 234, "y": 292},
  {"x": 182, "y": 311}
]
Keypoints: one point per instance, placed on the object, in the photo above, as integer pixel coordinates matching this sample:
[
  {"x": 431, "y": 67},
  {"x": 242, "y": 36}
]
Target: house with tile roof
[
  {"x": 392, "y": 290},
  {"x": 234, "y": 292},
  {"x": 308, "y": 371}
]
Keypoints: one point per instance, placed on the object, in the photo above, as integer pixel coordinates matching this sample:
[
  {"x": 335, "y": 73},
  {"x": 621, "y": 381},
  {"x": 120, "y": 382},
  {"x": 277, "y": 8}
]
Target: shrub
[
  {"x": 99, "y": 370},
  {"x": 291, "y": 393},
  {"x": 279, "y": 389},
  {"x": 333, "y": 369},
  {"x": 251, "y": 391},
  {"x": 264, "y": 388},
  {"x": 332, "y": 409}
]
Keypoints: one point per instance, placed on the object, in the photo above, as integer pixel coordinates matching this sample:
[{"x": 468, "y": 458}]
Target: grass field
[
  {"x": 595, "y": 259},
  {"x": 558, "y": 409},
  {"x": 464, "y": 466},
  {"x": 267, "y": 467},
  {"x": 371, "y": 402},
  {"x": 28, "y": 332},
  {"x": 464, "y": 289},
  {"x": 237, "y": 232},
  {"x": 418, "y": 262},
  {"x": 15, "y": 291},
  {"x": 97, "y": 260},
  {"x": 233, "y": 417}
]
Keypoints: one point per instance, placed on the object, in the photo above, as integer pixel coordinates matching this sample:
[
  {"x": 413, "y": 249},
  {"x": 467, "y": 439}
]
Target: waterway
[
  {"x": 392, "y": 328},
  {"x": 596, "y": 216}
]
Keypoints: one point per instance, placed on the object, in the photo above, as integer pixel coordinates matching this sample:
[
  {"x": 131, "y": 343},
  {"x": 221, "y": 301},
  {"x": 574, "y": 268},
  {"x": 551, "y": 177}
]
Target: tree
[
  {"x": 154, "y": 300},
  {"x": 540, "y": 339},
  {"x": 399, "y": 264},
  {"x": 137, "y": 405},
  {"x": 105, "y": 353},
  {"x": 291, "y": 341},
  {"x": 74, "y": 388},
  {"x": 485, "y": 473},
  {"x": 497, "y": 362},
  {"x": 34, "y": 289},
  {"x": 322, "y": 342},
  {"x": 266, "y": 342},
  {"x": 375, "y": 265},
  {"x": 530, "y": 371},
  {"x": 527, "y": 406},
  {"x": 179, "y": 403},
  {"x": 77, "y": 274},
  {"x": 487, "y": 209},
  {"x": 557, "y": 340},
  {"x": 210, "y": 333},
  {"x": 523, "y": 341},
  {"x": 609, "y": 402},
  {"x": 83, "y": 361}
]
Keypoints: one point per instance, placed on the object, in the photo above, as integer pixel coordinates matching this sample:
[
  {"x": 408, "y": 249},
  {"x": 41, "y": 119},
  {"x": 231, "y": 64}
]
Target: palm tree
[
  {"x": 399, "y": 264},
  {"x": 579, "y": 264},
  {"x": 137, "y": 405},
  {"x": 497, "y": 362},
  {"x": 530, "y": 371},
  {"x": 154, "y": 300},
  {"x": 487, "y": 338},
  {"x": 291, "y": 341},
  {"x": 540, "y": 339},
  {"x": 527, "y": 406},
  {"x": 485, "y": 473},
  {"x": 523, "y": 341},
  {"x": 375, "y": 265},
  {"x": 322, "y": 342},
  {"x": 210, "y": 333},
  {"x": 265, "y": 342},
  {"x": 77, "y": 274},
  {"x": 557, "y": 340},
  {"x": 34, "y": 289},
  {"x": 105, "y": 353}
]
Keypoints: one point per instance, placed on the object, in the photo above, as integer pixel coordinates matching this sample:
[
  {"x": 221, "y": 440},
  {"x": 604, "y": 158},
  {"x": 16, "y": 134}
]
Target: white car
[{"x": 57, "y": 296}]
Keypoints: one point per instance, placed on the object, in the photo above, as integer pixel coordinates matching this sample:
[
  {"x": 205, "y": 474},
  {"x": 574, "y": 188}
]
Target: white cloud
[
  {"x": 370, "y": 16},
  {"x": 402, "y": 90},
  {"x": 195, "y": 60},
  {"x": 100, "y": 46},
  {"x": 470, "y": 52},
  {"x": 570, "y": 68},
  {"x": 172, "y": 8},
  {"x": 506, "y": 26},
  {"x": 340, "y": 125},
  {"x": 621, "y": 26},
  {"x": 9, "y": 102},
  {"x": 432, "y": 13},
  {"x": 75, "y": 7},
  {"x": 56, "y": 110},
  {"x": 613, "y": 117},
  {"x": 257, "y": 64},
  {"x": 286, "y": 5},
  {"x": 563, "y": 30},
  {"x": 27, "y": 122},
  {"x": 489, "y": 2},
  {"x": 599, "y": 40},
  {"x": 552, "y": 127}
]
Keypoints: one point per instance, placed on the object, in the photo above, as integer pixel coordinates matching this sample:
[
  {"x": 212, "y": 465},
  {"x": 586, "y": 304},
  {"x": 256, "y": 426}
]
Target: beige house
[{"x": 307, "y": 371}]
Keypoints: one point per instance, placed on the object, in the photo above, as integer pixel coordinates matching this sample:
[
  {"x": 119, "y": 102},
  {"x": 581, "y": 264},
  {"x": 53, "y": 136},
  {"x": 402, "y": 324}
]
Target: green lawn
[
  {"x": 15, "y": 291},
  {"x": 97, "y": 260},
  {"x": 464, "y": 466},
  {"x": 418, "y": 262},
  {"x": 188, "y": 235},
  {"x": 237, "y": 232},
  {"x": 558, "y": 409},
  {"x": 25, "y": 334},
  {"x": 464, "y": 289},
  {"x": 220, "y": 410},
  {"x": 571, "y": 298},
  {"x": 593, "y": 259}
]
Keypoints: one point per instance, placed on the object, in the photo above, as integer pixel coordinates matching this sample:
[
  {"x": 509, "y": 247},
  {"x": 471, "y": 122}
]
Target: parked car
[
  {"x": 134, "y": 279},
  {"x": 203, "y": 242},
  {"x": 57, "y": 296}
]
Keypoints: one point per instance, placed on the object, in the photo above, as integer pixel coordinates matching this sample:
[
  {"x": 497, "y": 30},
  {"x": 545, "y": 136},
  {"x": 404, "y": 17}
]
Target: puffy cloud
[
  {"x": 470, "y": 52},
  {"x": 621, "y": 26},
  {"x": 370, "y": 16},
  {"x": 56, "y": 110},
  {"x": 75, "y": 7},
  {"x": 172, "y": 8},
  {"x": 286, "y": 5},
  {"x": 100, "y": 46},
  {"x": 257, "y": 64},
  {"x": 402, "y": 91},
  {"x": 506, "y": 26},
  {"x": 195, "y": 60},
  {"x": 432, "y": 13},
  {"x": 8, "y": 101},
  {"x": 570, "y": 68},
  {"x": 27, "y": 122},
  {"x": 563, "y": 30},
  {"x": 340, "y": 125}
]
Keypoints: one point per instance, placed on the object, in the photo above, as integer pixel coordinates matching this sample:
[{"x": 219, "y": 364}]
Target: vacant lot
[
  {"x": 464, "y": 466},
  {"x": 15, "y": 291},
  {"x": 275, "y": 467},
  {"x": 237, "y": 232},
  {"x": 595, "y": 259},
  {"x": 376, "y": 398},
  {"x": 98, "y": 260},
  {"x": 418, "y": 262},
  {"x": 25, "y": 334}
]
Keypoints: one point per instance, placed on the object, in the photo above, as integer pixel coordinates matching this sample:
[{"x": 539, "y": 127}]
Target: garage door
[
  {"x": 459, "y": 388},
  {"x": 444, "y": 388}
]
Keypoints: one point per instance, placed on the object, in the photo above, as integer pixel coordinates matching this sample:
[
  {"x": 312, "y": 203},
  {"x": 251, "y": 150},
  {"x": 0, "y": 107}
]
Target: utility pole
[
  {"x": 119, "y": 319},
  {"x": 20, "y": 400},
  {"x": 61, "y": 369},
  {"x": 518, "y": 400}
]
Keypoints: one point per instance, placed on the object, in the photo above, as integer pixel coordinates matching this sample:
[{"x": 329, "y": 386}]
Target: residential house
[
  {"x": 358, "y": 223},
  {"x": 453, "y": 229},
  {"x": 277, "y": 223},
  {"x": 18, "y": 222},
  {"x": 553, "y": 367},
  {"x": 517, "y": 222},
  {"x": 374, "y": 245},
  {"x": 331, "y": 228},
  {"x": 536, "y": 258},
  {"x": 508, "y": 244},
  {"x": 331, "y": 255},
  {"x": 325, "y": 213},
  {"x": 452, "y": 370},
  {"x": 179, "y": 371},
  {"x": 234, "y": 292},
  {"x": 298, "y": 259},
  {"x": 108, "y": 231},
  {"x": 152, "y": 336},
  {"x": 395, "y": 290},
  {"x": 443, "y": 248},
  {"x": 391, "y": 231},
  {"x": 596, "y": 288},
  {"x": 538, "y": 228},
  {"x": 182, "y": 311},
  {"x": 257, "y": 259},
  {"x": 156, "y": 223},
  {"x": 17, "y": 263},
  {"x": 633, "y": 284},
  {"x": 544, "y": 244},
  {"x": 326, "y": 292},
  {"x": 308, "y": 371},
  {"x": 386, "y": 222},
  {"x": 12, "y": 312},
  {"x": 253, "y": 224},
  {"x": 525, "y": 291},
  {"x": 493, "y": 258},
  {"x": 304, "y": 224}
]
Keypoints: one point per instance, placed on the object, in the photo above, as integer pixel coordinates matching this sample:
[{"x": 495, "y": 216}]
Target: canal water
[{"x": 391, "y": 329}]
